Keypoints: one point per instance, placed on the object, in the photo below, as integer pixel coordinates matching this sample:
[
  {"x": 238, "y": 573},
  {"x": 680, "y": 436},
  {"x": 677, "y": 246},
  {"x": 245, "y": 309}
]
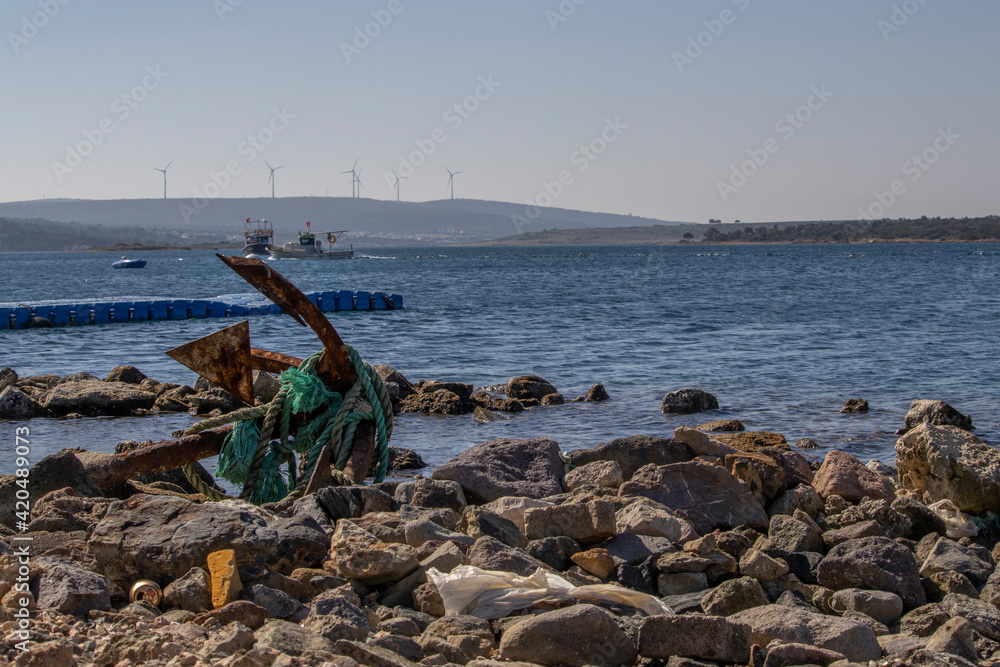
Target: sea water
[{"x": 782, "y": 335}]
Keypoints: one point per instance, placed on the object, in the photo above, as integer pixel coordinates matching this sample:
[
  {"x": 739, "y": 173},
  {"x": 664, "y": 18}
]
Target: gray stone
[
  {"x": 784, "y": 655},
  {"x": 938, "y": 413},
  {"x": 733, "y": 596},
  {"x": 70, "y": 589},
  {"x": 695, "y": 636},
  {"x": 491, "y": 554},
  {"x": 886, "y": 608},
  {"x": 229, "y": 639},
  {"x": 554, "y": 551},
  {"x": 303, "y": 542},
  {"x": 702, "y": 444},
  {"x": 949, "y": 556},
  {"x": 163, "y": 537},
  {"x": 688, "y": 401},
  {"x": 292, "y": 639},
  {"x": 681, "y": 583},
  {"x": 372, "y": 655},
  {"x": 873, "y": 563},
  {"x": 789, "y": 534},
  {"x": 597, "y": 473},
  {"x": 90, "y": 396},
  {"x": 405, "y": 647},
  {"x": 503, "y": 467},
  {"x": 360, "y": 556},
  {"x": 869, "y": 528},
  {"x": 15, "y": 404},
  {"x": 277, "y": 603},
  {"x": 647, "y": 517},
  {"x": 803, "y": 497},
  {"x": 192, "y": 592},
  {"x": 575, "y": 636},
  {"x": 432, "y": 493},
  {"x": 54, "y": 472},
  {"x": 984, "y": 617},
  {"x": 762, "y": 567},
  {"x": 586, "y": 523},
  {"x": 708, "y": 497},
  {"x": 956, "y": 637},
  {"x": 478, "y": 522},
  {"x": 793, "y": 625},
  {"x": 633, "y": 452},
  {"x": 420, "y": 531}
]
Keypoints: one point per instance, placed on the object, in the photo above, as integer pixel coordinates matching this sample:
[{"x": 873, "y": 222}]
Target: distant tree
[
  {"x": 688, "y": 235},
  {"x": 712, "y": 234}
]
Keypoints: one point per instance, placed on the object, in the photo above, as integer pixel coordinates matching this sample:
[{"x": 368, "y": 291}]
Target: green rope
[{"x": 252, "y": 457}]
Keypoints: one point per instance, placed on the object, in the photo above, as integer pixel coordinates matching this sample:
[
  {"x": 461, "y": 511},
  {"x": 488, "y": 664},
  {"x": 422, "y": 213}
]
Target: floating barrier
[{"x": 106, "y": 312}]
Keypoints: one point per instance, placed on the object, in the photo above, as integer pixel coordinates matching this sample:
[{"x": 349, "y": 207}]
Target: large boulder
[
  {"x": 15, "y": 404},
  {"x": 91, "y": 396},
  {"x": 845, "y": 476},
  {"x": 70, "y": 589},
  {"x": 530, "y": 386},
  {"x": 575, "y": 636},
  {"x": 360, "y": 556},
  {"x": 586, "y": 523},
  {"x": 688, "y": 401},
  {"x": 503, "y": 467},
  {"x": 794, "y": 625},
  {"x": 875, "y": 563},
  {"x": 946, "y": 462},
  {"x": 937, "y": 413},
  {"x": 163, "y": 537},
  {"x": 708, "y": 497},
  {"x": 54, "y": 472},
  {"x": 633, "y": 452}
]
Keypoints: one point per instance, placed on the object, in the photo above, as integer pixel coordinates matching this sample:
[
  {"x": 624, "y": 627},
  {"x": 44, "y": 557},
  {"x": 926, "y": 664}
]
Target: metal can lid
[{"x": 147, "y": 590}]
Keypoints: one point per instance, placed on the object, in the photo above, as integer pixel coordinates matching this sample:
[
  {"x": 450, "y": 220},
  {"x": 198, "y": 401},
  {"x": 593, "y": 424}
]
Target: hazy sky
[{"x": 779, "y": 110}]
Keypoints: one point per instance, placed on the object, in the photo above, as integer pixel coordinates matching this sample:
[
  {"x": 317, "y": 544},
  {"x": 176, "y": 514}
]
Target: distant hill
[
  {"x": 33, "y": 235},
  {"x": 378, "y": 221}
]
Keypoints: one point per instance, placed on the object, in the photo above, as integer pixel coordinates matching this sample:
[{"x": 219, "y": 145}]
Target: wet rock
[
  {"x": 126, "y": 374},
  {"x": 937, "y": 413},
  {"x": 695, "y": 636},
  {"x": 485, "y": 415},
  {"x": 688, "y": 401},
  {"x": 70, "y": 589},
  {"x": 647, "y": 517},
  {"x": 491, "y": 554},
  {"x": 752, "y": 441},
  {"x": 946, "y": 462},
  {"x": 478, "y": 522},
  {"x": 360, "y": 556},
  {"x": 292, "y": 639},
  {"x": 15, "y": 404},
  {"x": 721, "y": 426},
  {"x": 806, "y": 443},
  {"x": 596, "y": 394},
  {"x": 162, "y": 537},
  {"x": 598, "y": 473},
  {"x": 401, "y": 458},
  {"x": 503, "y": 467},
  {"x": 706, "y": 496},
  {"x": 586, "y": 523},
  {"x": 734, "y": 596},
  {"x": 845, "y": 476},
  {"x": 90, "y": 396},
  {"x": 390, "y": 374},
  {"x": 54, "y": 472},
  {"x": 793, "y": 625},
  {"x": 553, "y": 399},
  {"x": 434, "y": 402},
  {"x": 192, "y": 592},
  {"x": 575, "y": 636},
  {"x": 854, "y": 406},
  {"x": 884, "y": 607},
  {"x": 873, "y": 563},
  {"x": 529, "y": 386},
  {"x": 949, "y": 556},
  {"x": 633, "y": 452},
  {"x": 431, "y": 493}
]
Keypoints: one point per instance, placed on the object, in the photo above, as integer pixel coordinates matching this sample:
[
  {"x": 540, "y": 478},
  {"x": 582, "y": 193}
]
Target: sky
[{"x": 689, "y": 111}]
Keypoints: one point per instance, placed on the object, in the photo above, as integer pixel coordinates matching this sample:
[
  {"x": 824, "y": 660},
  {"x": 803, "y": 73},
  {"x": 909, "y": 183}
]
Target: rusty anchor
[{"x": 227, "y": 359}]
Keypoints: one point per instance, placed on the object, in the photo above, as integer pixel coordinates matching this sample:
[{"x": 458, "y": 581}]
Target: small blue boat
[{"x": 124, "y": 263}]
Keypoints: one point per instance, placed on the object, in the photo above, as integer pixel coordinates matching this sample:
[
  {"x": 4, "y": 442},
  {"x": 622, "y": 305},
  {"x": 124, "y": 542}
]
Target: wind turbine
[
  {"x": 396, "y": 185},
  {"x": 451, "y": 180},
  {"x": 354, "y": 176},
  {"x": 270, "y": 179},
  {"x": 164, "y": 170}
]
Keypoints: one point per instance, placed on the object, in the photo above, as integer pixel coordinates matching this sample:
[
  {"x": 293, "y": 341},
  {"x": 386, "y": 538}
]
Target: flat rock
[
  {"x": 647, "y": 517},
  {"x": 503, "y": 467},
  {"x": 162, "y": 537},
  {"x": 984, "y": 617},
  {"x": 949, "y": 556},
  {"x": 946, "y": 462},
  {"x": 695, "y": 636},
  {"x": 845, "y": 476},
  {"x": 582, "y": 634},
  {"x": 874, "y": 563},
  {"x": 708, "y": 497},
  {"x": 937, "y": 413},
  {"x": 586, "y": 523},
  {"x": 721, "y": 426},
  {"x": 70, "y": 589},
  {"x": 95, "y": 397},
  {"x": 792, "y": 625},
  {"x": 633, "y": 452},
  {"x": 752, "y": 441}
]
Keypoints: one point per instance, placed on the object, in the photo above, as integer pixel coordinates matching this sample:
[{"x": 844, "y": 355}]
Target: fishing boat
[
  {"x": 258, "y": 238},
  {"x": 310, "y": 247},
  {"x": 125, "y": 263}
]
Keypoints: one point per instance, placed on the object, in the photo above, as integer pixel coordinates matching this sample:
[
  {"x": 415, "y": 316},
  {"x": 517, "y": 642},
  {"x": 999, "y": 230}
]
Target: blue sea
[{"x": 782, "y": 335}]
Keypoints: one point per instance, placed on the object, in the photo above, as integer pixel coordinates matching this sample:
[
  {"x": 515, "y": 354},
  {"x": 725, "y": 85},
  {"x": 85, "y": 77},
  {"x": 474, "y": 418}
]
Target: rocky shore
[{"x": 715, "y": 546}]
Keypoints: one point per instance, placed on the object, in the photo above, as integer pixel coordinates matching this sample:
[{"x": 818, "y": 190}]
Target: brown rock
[
  {"x": 845, "y": 476},
  {"x": 596, "y": 561},
  {"x": 721, "y": 426},
  {"x": 751, "y": 441}
]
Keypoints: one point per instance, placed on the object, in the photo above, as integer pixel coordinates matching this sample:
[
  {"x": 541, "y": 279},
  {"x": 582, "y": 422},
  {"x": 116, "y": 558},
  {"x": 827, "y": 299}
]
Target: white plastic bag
[
  {"x": 495, "y": 594},
  {"x": 959, "y": 525}
]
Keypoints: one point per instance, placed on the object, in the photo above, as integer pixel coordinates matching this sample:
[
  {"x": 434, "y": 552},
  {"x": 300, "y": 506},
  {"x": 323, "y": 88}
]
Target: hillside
[
  {"x": 377, "y": 221},
  {"x": 35, "y": 235}
]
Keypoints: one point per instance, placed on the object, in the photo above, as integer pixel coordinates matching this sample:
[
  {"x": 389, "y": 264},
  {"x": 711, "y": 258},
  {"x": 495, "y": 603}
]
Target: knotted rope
[{"x": 252, "y": 455}]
